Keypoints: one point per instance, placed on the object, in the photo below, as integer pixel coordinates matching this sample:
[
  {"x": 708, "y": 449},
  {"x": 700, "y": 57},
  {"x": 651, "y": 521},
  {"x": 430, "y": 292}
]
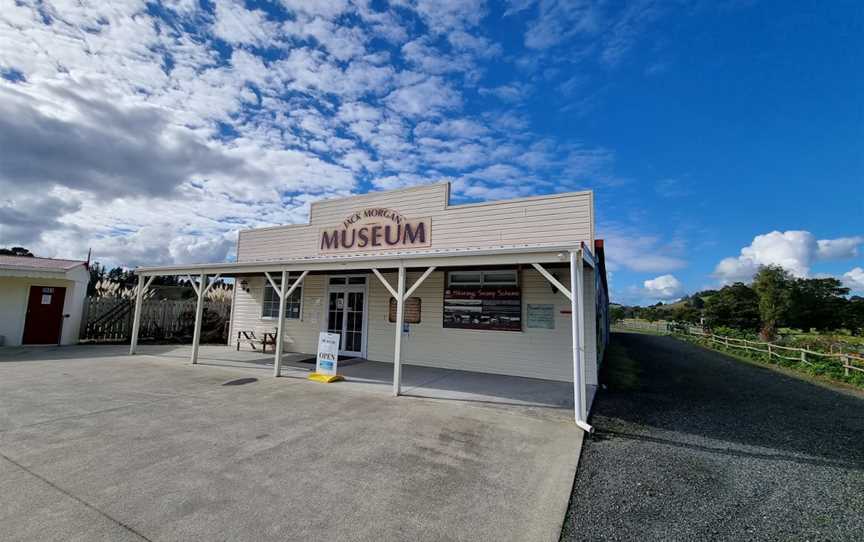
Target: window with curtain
[{"x": 293, "y": 306}]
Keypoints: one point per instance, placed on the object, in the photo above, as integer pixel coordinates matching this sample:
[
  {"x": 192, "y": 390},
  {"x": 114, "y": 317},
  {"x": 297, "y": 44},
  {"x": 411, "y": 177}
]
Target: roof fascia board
[
  {"x": 33, "y": 273},
  {"x": 549, "y": 255}
]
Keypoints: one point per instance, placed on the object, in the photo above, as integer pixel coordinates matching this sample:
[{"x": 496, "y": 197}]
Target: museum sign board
[{"x": 373, "y": 229}]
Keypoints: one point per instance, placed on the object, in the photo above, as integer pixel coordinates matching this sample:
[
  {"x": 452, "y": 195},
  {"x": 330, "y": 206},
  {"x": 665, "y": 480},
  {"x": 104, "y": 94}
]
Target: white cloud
[
  {"x": 499, "y": 172},
  {"x": 428, "y": 97},
  {"x": 512, "y": 92},
  {"x": 739, "y": 269},
  {"x": 603, "y": 32},
  {"x": 663, "y": 287},
  {"x": 341, "y": 42},
  {"x": 843, "y": 248},
  {"x": 625, "y": 31},
  {"x": 630, "y": 248},
  {"x": 328, "y": 9},
  {"x": 238, "y": 25},
  {"x": 854, "y": 279},
  {"x": 44, "y": 146},
  {"x": 558, "y": 21},
  {"x": 794, "y": 251},
  {"x": 458, "y": 128},
  {"x": 421, "y": 54},
  {"x": 152, "y": 138},
  {"x": 473, "y": 43},
  {"x": 445, "y": 16},
  {"x": 486, "y": 190}
]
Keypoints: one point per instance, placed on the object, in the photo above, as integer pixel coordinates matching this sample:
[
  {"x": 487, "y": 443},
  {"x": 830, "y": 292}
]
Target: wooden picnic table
[{"x": 254, "y": 341}]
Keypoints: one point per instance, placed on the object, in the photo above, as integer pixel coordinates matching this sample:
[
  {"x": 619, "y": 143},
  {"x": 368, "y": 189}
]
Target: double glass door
[{"x": 346, "y": 299}]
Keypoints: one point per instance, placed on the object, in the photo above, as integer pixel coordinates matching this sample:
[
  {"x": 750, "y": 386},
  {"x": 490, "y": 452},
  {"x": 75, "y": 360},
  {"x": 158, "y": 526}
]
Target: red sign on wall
[{"x": 483, "y": 307}]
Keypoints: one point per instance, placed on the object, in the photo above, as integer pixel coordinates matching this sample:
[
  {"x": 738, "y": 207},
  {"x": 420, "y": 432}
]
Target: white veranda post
[
  {"x": 143, "y": 284},
  {"x": 575, "y": 295},
  {"x": 280, "y": 326},
  {"x": 201, "y": 289},
  {"x": 400, "y": 295},
  {"x": 576, "y": 301},
  {"x": 199, "y": 313},
  {"x": 284, "y": 292},
  {"x": 397, "y": 349}
]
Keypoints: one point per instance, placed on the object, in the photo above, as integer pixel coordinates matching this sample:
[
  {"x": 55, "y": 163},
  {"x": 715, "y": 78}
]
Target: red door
[{"x": 44, "y": 319}]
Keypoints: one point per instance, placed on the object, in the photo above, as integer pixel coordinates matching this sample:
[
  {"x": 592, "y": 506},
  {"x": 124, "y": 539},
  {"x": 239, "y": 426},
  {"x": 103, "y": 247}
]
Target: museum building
[{"x": 515, "y": 287}]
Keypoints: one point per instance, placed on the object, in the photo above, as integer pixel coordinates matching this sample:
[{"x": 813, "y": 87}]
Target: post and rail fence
[{"x": 850, "y": 361}]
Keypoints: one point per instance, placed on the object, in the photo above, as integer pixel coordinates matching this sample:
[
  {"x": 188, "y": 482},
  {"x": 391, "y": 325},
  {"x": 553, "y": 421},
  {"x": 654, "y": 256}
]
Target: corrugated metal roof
[{"x": 41, "y": 264}]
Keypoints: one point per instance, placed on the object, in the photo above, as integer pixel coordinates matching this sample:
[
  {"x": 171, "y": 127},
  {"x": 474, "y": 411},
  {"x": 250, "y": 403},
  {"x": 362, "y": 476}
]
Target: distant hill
[{"x": 687, "y": 309}]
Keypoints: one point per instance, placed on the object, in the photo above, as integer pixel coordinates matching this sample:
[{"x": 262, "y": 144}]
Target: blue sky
[{"x": 717, "y": 136}]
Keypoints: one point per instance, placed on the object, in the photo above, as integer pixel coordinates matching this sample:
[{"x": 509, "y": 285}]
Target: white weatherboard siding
[
  {"x": 13, "y": 305},
  {"x": 544, "y": 220},
  {"x": 535, "y": 353},
  {"x": 300, "y": 335}
]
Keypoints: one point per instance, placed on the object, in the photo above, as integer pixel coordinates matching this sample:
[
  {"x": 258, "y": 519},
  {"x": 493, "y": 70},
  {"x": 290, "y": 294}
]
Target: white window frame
[
  {"x": 297, "y": 291},
  {"x": 483, "y": 281}
]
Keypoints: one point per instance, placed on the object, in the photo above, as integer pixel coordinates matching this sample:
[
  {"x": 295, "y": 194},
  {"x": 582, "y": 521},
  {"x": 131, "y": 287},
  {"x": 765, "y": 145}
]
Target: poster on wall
[
  {"x": 540, "y": 316},
  {"x": 411, "y": 311},
  {"x": 486, "y": 307}
]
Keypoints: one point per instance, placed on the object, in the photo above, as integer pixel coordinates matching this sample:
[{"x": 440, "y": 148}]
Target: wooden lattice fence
[{"x": 108, "y": 319}]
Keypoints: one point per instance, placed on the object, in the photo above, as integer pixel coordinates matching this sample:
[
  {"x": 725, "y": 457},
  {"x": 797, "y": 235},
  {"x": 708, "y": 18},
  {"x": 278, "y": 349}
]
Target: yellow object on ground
[{"x": 318, "y": 377}]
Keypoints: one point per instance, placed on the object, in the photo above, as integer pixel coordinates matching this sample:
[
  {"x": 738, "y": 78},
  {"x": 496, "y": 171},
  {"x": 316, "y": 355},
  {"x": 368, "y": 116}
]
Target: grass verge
[
  {"x": 619, "y": 371},
  {"x": 614, "y": 329},
  {"x": 822, "y": 371}
]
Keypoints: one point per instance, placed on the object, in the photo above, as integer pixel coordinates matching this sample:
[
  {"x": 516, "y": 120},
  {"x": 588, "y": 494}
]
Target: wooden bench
[{"x": 250, "y": 338}]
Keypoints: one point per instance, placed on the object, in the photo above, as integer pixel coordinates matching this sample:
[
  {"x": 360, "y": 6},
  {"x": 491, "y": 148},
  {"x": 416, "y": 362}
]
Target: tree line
[
  {"x": 774, "y": 299},
  {"x": 125, "y": 278},
  {"x": 16, "y": 251}
]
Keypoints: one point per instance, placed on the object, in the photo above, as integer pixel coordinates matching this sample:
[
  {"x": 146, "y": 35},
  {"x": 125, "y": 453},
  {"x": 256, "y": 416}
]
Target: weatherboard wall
[
  {"x": 558, "y": 219},
  {"x": 533, "y": 352},
  {"x": 300, "y": 335}
]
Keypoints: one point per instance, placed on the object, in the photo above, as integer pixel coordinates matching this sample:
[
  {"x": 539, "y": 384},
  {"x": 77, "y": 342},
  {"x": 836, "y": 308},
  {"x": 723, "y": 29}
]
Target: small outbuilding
[{"x": 41, "y": 300}]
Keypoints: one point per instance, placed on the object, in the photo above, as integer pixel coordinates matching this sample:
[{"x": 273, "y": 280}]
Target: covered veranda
[
  {"x": 533, "y": 397},
  {"x": 372, "y": 374}
]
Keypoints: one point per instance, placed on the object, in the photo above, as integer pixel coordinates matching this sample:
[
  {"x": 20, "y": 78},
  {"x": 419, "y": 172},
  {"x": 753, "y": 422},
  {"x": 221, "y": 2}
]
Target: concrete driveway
[{"x": 100, "y": 446}]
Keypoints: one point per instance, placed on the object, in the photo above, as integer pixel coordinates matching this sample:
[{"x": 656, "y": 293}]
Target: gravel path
[{"x": 694, "y": 445}]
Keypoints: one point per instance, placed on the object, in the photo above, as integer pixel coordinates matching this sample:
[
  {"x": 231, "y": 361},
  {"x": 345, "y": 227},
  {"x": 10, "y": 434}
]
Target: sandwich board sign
[{"x": 327, "y": 361}]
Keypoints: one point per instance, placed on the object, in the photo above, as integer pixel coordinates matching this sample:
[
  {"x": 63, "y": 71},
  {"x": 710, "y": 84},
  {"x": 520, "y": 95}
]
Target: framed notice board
[
  {"x": 411, "y": 312},
  {"x": 541, "y": 316}
]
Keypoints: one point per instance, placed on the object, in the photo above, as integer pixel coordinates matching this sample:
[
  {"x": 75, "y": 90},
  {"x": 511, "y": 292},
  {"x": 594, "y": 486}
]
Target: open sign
[{"x": 327, "y": 360}]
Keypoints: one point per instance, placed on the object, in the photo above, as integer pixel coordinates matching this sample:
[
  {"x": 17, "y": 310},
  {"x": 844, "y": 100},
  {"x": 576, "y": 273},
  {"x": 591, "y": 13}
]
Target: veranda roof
[{"x": 504, "y": 255}]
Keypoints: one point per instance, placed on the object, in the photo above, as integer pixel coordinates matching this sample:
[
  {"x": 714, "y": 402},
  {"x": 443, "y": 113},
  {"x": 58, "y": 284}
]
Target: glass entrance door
[{"x": 346, "y": 313}]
